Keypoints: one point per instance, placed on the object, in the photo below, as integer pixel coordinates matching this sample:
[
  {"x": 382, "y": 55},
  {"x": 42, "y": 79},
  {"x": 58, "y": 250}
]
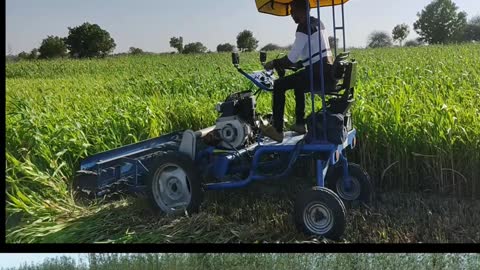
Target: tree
[
  {"x": 246, "y": 41},
  {"x": 52, "y": 47},
  {"x": 378, "y": 39},
  {"x": 472, "y": 30},
  {"x": 89, "y": 40},
  {"x": 439, "y": 22},
  {"x": 194, "y": 47},
  {"x": 332, "y": 41},
  {"x": 23, "y": 55},
  {"x": 400, "y": 32},
  {"x": 33, "y": 54},
  {"x": 177, "y": 43},
  {"x": 134, "y": 50},
  {"x": 227, "y": 47},
  {"x": 413, "y": 42},
  {"x": 271, "y": 47}
]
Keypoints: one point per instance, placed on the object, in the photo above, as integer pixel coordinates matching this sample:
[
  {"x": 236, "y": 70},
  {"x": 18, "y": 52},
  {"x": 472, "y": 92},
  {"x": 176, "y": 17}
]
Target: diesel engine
[{"x": 233, "y": 128}]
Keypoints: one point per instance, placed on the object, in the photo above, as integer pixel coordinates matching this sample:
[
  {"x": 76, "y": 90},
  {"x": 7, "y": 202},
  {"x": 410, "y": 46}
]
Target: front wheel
[
  {"x": 319, "y": 211},
  {"x": 360, "y": 189},
  {"x": 174, "y": 185}
]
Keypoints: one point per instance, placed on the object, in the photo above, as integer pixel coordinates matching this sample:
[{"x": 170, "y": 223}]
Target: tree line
[
  {"x": 84, "y": 41},
  {"x": 245, "y": 42},
  {"x": 140, "y": 261},
  {"x": 439, "y": 22}
]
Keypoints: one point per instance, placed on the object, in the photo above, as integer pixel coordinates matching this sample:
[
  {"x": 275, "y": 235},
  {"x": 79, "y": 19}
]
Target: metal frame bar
[
  {"x": 322, "y": 79},
  {"x": 343, "y": 27},
  {"x": 334, "y": 28},
  {"x": 331, "y": 149}
]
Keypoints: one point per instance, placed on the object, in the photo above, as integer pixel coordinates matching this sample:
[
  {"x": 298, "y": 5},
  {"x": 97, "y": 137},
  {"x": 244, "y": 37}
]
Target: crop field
[
  {"x": 417, "y": 115},
  {"x": 105, "y": 261}
]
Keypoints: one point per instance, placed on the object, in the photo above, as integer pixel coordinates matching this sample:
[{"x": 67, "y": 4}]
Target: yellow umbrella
[{"x": 282, "y": 7}]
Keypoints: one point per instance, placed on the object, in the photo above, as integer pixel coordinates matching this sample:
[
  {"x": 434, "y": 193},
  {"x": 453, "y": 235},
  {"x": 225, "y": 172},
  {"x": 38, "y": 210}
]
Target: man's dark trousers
[{"x": 300, "y": 83}]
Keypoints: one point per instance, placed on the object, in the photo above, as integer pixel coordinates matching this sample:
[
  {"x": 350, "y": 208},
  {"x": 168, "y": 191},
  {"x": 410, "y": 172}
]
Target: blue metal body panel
[{"x": 127, "y": 162}]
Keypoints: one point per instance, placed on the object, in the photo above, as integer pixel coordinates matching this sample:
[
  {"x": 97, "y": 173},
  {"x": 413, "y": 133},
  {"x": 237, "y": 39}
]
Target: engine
[
  {"x": 233, "y": 132},
  {"x": 234, "y": 126}
]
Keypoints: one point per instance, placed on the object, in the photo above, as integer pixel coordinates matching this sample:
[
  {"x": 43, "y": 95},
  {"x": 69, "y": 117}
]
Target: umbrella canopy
[{"x": 282, "y": 7}]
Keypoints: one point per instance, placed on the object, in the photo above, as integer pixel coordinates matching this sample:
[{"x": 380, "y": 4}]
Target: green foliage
[
  {"x": 439, "y": 22},
  {"x": 414, "y": 42},
  {"x": 89, "y": 40},
  {"x": 52, "y": 47},
  {"x": 271, "y": 47},
  {"x": 400, "y": 32},
  {"x": 472, "y": 30},
  {"x": 135, "y": 51},
  {"x": 194, "y": 47},
  {"x": 239, "y": 261},
  {"x": 23, "y": 55},
  {"x": 246, "y": 41},
  {"x": 416, "y": 113},
  {"x": 227, "y": 47},
  {"x": 177, "y": 43},
  {"x": 379, "y": 39},
  {"x": 33, "y": 54}
]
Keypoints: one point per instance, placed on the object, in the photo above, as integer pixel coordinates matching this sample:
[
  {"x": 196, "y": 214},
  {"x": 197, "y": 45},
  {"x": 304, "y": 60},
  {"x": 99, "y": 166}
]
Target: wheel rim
[
  {"x": 171, "y": 188},
  {"x": 349, "y": 194},
  {"x": 318, "y": 218}
]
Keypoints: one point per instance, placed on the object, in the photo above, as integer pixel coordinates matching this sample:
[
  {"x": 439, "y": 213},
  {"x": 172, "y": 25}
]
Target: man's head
[{"x": 299, "y": 11}]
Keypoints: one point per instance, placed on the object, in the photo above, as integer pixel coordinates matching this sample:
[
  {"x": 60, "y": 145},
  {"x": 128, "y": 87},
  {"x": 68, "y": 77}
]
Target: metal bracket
[{"x": 188, "y": 144}]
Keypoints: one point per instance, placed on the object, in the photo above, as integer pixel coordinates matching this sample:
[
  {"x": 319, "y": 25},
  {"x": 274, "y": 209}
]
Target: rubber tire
[
  {"x": 329, "y": 199},
  {"x": 359, "y": 173},
  {"x": 186, "y": 164}
]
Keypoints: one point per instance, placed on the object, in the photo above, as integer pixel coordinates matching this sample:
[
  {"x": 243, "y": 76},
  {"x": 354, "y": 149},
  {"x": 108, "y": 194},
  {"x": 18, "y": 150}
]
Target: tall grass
[
  {"x": 417, "y": 115},
  {"x": 259, "y": 261}
]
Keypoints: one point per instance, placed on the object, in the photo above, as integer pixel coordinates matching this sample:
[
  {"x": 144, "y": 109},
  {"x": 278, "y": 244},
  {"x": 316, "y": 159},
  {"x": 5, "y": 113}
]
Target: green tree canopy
[
  {"x": 246, "y": 41},
  {"x": 23, "y": 55},
  {"x": 271, "y": 47},
  {"x": 194, "y": 47},
  {"x": 33, "y": 54},
  {"x": 414, "y": 42},
  {"x": 177, "y": 43},
  {"x": 439, "y": 22},
  {"x": 400, "y": 32},
  {"x": 52, "y": 47},
  {"x": 89, "y": 40},
  {"x": 472, "y": 30},
  {"x": 134, "y": 50},
  {"x": 227, "y": 47},
  {"x": 378, "y": 39}
]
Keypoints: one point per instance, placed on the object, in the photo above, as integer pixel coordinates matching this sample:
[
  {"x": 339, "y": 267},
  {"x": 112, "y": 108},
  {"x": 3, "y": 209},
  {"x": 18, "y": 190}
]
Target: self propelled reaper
[{"x": 177, "y": 168}]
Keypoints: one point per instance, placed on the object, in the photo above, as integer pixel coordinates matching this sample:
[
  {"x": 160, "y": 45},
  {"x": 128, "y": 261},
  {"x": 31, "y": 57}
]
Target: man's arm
[{"x": 291, "y": 59}]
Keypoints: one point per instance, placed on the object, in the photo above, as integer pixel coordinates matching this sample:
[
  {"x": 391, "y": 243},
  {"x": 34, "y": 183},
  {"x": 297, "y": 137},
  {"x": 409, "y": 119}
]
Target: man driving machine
[{"x": 299, "y": 81}]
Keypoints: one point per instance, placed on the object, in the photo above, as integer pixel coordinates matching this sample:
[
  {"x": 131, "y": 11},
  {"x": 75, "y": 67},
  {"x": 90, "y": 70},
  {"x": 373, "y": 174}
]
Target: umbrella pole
[
  {"x": 322, "y": 79},
  {"x": 312, "y": 94}
]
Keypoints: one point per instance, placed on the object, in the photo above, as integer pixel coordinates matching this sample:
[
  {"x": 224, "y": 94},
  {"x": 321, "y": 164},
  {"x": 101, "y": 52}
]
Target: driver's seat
[
  {"x": 343, "y": 73},
  {"x": 344, "y": 76}
]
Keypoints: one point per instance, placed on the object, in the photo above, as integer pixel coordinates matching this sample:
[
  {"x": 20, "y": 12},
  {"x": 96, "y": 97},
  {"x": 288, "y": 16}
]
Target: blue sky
[
  {"x": 16, "y": 259},
  {"x": 149, "y": 24}
]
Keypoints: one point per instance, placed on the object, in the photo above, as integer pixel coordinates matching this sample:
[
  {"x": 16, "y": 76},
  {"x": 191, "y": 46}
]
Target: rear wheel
[
  {"x": 174, "y": 184},
  {"x": 319, "y": 211}
]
